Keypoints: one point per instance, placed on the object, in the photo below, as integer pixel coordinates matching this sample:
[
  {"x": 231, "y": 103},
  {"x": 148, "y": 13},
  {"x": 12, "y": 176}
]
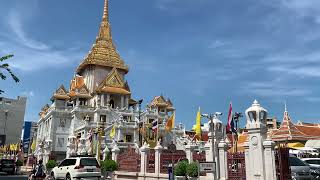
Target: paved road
[{"x": 14, "y": 177}]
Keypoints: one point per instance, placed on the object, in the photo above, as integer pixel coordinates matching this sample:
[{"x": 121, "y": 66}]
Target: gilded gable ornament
[{"x": 62, "y": 123}]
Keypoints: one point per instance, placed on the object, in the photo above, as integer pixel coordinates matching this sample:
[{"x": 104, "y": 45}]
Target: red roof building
[{"x": 295, "y": 132}]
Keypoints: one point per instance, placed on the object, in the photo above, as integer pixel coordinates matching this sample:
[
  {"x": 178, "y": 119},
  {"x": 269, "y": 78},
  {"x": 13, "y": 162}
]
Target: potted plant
[
  {"x": 180, "y": 170},
  {"x": 19, "y": 163},
  {"x": 50, "y": 165},
  {"x": 192, "y": 171},
  {"x": 108, "y": 166}
]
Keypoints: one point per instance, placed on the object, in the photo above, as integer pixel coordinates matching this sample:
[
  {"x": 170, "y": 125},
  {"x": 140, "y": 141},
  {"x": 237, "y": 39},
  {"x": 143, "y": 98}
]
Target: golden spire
[
  {"x": 103, "y": 53},
  {"x": 106, "y": 11}
]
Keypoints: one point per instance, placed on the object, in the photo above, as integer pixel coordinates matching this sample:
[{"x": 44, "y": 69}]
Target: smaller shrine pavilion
[{"x": 290, "y": 132}]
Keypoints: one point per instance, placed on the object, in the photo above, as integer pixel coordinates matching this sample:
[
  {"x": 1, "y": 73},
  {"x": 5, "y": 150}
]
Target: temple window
[
  {"x": 83, "y": 101},
  {"x": 103, "y": 118},
  {"x": 252, "y": 116},
  {"x": 128, "y": 138},
  {"x": 111, "y": 103}
]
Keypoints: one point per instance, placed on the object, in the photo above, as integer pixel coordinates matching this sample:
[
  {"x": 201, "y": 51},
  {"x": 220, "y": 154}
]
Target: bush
[
  {"x": 109, "y": 165},
  {"x": 180, "y": 169},
  {"x": 51, "y": 164},
  {"x": 19, "y": 163},
  {"x": 192, "y": 169}
]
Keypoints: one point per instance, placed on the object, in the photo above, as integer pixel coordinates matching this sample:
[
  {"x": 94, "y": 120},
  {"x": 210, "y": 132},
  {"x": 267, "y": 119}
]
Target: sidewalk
[{"x": 26, "y": 170}]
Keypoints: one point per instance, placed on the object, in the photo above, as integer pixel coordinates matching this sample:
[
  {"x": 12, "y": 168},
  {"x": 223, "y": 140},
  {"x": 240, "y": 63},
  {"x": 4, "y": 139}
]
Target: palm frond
[{"x": 6, "y": 57}]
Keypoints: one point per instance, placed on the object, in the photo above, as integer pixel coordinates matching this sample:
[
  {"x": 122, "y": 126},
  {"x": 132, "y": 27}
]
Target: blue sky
[{"x": 197, "y": 52}]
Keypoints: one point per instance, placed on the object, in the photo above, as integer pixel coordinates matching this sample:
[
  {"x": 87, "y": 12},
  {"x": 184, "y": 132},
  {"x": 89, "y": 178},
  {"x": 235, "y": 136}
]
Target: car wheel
[
  {"x": 68, "y": 177},
  {"x": 52, "y": 176}
]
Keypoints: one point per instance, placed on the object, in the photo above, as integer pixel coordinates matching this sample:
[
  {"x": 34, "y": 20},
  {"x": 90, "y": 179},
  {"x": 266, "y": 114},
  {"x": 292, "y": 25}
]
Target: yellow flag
[
  {"x": 170, "y": 122},
  {"x": 198, "y": 125},
  {"x": 33, "y": 145},
  {"x": 113, "y": 131}
]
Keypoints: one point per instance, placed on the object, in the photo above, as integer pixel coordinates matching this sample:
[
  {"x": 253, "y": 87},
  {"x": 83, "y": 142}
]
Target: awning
[
  {"x": 313, "y": 144},
  {"x": 295, "y": 145}
]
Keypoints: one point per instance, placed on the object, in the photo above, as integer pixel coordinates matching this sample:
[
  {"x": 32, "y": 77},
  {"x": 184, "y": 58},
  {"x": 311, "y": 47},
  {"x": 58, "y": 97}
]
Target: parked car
[
  {"x": 77, "y": 168},
  {"x": 314, "y": 164},
  {"x": 299, "y": 169},
  {"x": 7, "y": 166}
]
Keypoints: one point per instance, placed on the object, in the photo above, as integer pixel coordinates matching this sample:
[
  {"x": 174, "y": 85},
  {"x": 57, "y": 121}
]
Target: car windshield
[
  {"x": 313, "y": 161},
  {"x": 294, "y": 161},
  {"x": 7, "y": 162},
  {"x": 88, "y": 162}
]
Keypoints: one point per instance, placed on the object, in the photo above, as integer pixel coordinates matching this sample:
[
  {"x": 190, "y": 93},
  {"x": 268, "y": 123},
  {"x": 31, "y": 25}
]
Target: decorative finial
[
  {"x": 106, "y": 10},
  {"x": 285, "y": 106}
]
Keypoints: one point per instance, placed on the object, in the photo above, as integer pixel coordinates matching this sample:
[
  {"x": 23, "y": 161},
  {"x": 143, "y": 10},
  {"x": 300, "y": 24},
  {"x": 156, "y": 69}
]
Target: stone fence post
[
  {"x": 269, "y": 159},
  {"x": 144, "y": 150},
  {"x": 189, "y": 152},
  {"x": 105, "y": 152},
  {"x": 223, "y": 158},
  {"x": 157, "y": 157},
  {"x": 115, "y": 152}
]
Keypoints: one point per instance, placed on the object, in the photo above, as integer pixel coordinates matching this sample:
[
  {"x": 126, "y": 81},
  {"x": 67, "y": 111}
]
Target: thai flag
[
  {"x": 155, "y": 125},
  {"x": 230, "y": 119}
]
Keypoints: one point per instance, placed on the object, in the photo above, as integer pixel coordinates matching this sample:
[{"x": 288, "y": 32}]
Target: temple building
[
  {"x": 290, "y": 132},
  {"x": 99, "y": 106}
]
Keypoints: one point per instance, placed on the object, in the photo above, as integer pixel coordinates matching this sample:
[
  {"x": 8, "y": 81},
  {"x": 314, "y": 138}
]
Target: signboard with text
[{"x": 207, "y": 167}]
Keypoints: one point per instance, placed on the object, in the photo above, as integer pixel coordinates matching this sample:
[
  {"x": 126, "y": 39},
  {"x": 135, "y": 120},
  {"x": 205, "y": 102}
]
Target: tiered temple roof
[
  {"x": 288, "y": 131},
  {"x": 295, "y": 132},
  {"x": 61, "y": 93},
  {"x": 160, "y": 101},
  {"x": 114, "y": 83},
  {"x": 103, "y": 52},
  {"x": 78, "y": 88}
]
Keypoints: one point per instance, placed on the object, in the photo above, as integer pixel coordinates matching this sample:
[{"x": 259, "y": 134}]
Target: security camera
[
  {"x": 205, "y": 115},
  {"x": 218, "y": 113}
]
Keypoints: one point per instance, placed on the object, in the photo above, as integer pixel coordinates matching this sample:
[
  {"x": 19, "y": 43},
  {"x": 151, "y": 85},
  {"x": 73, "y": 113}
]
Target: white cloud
[
  {"x": 276, "y": 88},
  {"x": 217, "y": 44},
  {"x": 15, "y": 24},
  {"x": 313, "y": 99},
  {"x": 30, "y": 54},
  {"x": 28, "y": 93}
]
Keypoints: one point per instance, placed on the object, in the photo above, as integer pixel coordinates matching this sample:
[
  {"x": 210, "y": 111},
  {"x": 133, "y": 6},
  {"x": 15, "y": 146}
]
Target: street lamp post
[
  {"x": 237, "y": 116},
  {"x": 140, "y": 124},
  {"x": 215, "y": 126}
]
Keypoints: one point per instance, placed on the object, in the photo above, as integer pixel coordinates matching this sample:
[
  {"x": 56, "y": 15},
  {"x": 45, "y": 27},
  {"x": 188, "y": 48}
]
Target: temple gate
[
  {"x": 236, "y": 166},
  {"x": 129, "y": 160}
]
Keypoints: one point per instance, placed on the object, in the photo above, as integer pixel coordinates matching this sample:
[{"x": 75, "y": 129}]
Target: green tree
[{"x": 4, "y": 67}]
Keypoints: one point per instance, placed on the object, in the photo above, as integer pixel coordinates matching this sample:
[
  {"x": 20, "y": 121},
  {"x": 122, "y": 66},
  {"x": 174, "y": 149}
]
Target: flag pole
[{"x": 158, "y": 129}]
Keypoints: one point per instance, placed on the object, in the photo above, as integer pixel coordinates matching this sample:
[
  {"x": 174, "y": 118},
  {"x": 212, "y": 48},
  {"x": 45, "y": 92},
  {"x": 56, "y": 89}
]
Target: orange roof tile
[
  {"x": 288, "y": 131},
  {"x": 115, "y": 90}
]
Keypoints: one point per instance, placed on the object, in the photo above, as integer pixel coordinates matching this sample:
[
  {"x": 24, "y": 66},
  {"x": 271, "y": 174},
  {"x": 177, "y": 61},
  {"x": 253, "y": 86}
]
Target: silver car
[{"x": 299, "y": 169}]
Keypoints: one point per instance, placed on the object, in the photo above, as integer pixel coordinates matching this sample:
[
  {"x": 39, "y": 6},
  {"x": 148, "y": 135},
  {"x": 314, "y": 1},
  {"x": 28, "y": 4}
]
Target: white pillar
[
  {"x": 246, "y": 157},
  {"x": 102, "y": 100},
  {"x": 189, "y": 152},
  {"x": 105, "y": 152},
  {"x": 269, "y": 159},
  {"x": 115, "y": 152},
  {"x": 223, "y": 160},
  {"x": 144, "y": 154},
  {"x": 209, "y": 153},
  {"x": 108, "y": 99},
  {"x": 122, "y": 102},
  {"x": 157, "y": 156}
]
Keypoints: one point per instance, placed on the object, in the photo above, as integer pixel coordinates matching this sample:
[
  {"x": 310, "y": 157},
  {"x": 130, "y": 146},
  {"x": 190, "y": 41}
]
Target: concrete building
[{"x": 11, "y": 119}]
